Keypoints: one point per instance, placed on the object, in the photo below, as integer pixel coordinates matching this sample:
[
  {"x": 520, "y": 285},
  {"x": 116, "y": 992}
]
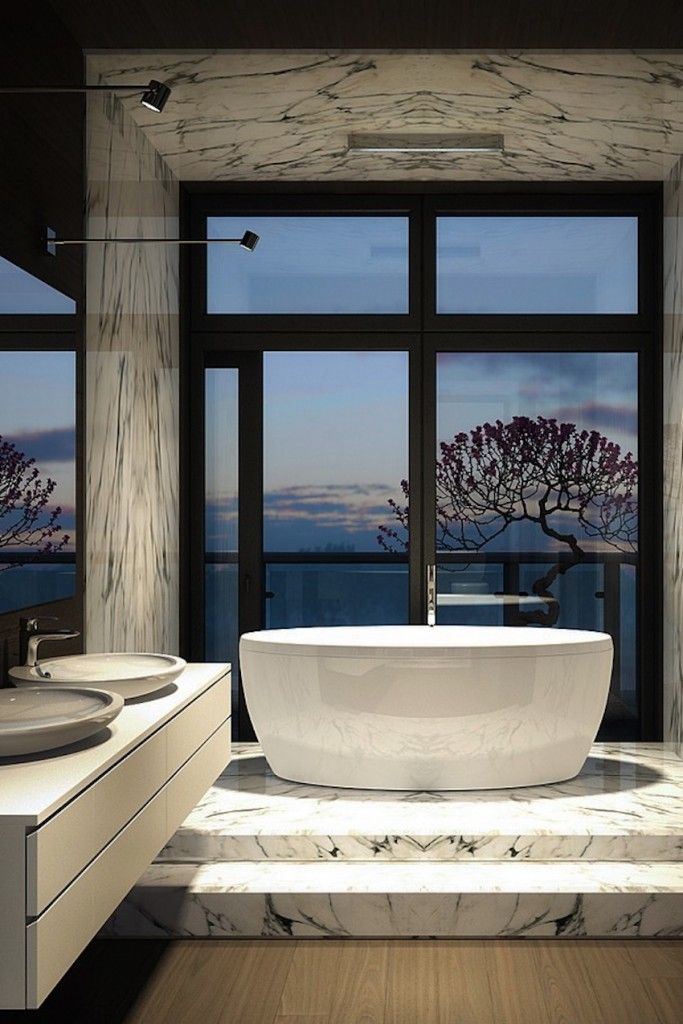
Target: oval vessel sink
[
  {"x": 130, "y": 675},
  {"x": 35, "y": 718}
]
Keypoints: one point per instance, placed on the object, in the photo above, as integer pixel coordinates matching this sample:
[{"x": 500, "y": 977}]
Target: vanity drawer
[
  {"x": 62, "y": 932},
  {"x": 191, "y": 783},
  {"x": 66, "y": 843},
  {"x": 197, "y": 722}
]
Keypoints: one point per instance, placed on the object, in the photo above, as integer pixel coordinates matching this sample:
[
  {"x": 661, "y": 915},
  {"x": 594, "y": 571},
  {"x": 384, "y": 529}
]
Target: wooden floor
[{"x": 370, "y": 982}]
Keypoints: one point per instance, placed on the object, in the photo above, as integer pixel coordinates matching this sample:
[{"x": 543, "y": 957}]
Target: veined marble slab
[
  {"x": 132, "y": 357},
  {"x": 626, "y": 805},
  {"x": 673, "y": 457},
  {"x": 257, "y": 115},
  {"x": 384, "y": 899}
]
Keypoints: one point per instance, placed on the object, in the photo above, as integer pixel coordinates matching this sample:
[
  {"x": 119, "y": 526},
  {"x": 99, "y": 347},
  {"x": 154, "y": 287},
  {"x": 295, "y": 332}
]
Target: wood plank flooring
[{"x": 412, "y": 981}]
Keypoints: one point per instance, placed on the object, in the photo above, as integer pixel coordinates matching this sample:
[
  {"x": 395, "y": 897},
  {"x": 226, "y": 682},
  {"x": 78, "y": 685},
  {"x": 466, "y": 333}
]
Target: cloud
[
  {"x": 57, "y": 445},
  {"x": 601, "y": 414},
  {"x": 349, "y": 507}
]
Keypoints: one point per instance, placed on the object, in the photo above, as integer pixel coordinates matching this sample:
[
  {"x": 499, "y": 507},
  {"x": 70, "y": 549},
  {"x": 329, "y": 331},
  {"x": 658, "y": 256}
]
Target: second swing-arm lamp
[{"x": 249, "y": 240}]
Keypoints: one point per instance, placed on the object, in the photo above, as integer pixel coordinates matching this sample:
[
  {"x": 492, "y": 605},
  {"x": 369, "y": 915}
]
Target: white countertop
[{"x": 35, "y": 786}]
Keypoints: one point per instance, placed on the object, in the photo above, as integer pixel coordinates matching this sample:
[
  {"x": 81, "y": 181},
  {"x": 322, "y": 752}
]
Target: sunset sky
[
  {"x": 37, "y": 413},
  {"x": 336, "y": 441}
]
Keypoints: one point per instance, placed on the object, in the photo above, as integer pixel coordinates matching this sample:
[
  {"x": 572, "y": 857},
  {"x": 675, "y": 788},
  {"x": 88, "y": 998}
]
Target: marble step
[
  {"x": 476, "y": 899},
  {"x": 627, "y": 804}
]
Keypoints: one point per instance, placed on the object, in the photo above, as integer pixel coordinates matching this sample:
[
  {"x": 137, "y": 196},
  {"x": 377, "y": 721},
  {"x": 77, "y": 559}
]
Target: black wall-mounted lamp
[
  {"x": 154, "y": 94},
  {"x": 249, "y": 240}
]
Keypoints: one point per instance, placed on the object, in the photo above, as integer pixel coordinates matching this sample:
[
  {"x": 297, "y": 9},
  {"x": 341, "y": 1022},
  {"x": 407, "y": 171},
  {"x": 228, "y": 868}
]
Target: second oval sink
[
  {"x": 130, "y": 675},
  {"x": 36, "y": 718}
]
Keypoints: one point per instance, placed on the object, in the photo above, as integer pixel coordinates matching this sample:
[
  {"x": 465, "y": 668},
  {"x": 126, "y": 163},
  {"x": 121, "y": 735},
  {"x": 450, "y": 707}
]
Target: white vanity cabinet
[{"x": 79, "y": 827}]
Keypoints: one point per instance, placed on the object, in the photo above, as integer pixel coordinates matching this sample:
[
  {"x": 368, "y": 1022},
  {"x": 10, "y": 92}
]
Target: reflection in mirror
[
  {"x": 37, "y": 478},
  {"x": 23, "y": 294}
]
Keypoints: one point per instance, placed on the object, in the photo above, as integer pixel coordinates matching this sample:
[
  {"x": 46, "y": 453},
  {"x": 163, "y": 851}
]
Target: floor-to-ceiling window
[{"x": 395, "y": 381}]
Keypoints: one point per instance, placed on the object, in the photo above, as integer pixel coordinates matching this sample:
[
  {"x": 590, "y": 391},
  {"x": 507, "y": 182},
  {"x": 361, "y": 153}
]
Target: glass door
[
  {"x": 221, "y": 517},
  {"x": 536, "y": 497},
  {"x": 305, "y": 462},
  {"x": 335, "y": 451},
  {"x": 535, "y": 487}
]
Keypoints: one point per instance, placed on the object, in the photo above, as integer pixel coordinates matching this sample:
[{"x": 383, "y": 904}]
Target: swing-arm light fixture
[
  {"x": 249, "y": 240},
  {"x": 154, "y": 94}
]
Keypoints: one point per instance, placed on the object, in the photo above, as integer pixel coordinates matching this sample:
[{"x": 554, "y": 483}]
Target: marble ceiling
[{"x": 247, "y": 115}]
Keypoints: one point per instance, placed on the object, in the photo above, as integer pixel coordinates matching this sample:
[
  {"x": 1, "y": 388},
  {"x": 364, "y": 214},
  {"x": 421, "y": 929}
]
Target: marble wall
[
  {"x": 131, "y": 462},
  {"x": 673, "y": 457}
]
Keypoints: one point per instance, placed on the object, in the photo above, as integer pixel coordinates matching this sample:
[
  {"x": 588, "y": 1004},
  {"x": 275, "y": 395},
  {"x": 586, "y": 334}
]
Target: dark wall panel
[
  {"x": 41, "y": 182},
  {"x": 416, "y": 24},
  {"x": 41, "y": 161}
]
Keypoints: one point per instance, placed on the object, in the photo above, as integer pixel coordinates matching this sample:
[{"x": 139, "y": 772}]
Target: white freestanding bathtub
[{"x": 420, "y": 707}]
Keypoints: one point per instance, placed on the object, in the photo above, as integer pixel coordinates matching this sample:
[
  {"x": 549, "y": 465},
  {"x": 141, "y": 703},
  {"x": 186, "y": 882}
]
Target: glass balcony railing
[{"x": 35, "y": 579}]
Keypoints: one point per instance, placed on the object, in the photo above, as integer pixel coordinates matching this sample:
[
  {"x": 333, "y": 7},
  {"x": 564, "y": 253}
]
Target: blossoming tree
[
  {"x": 575, "y": 485},
  {"x": 26, "y": 518}
]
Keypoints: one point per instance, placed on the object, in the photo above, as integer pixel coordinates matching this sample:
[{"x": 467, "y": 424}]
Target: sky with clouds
[
  {"x": 336, "y": 432},
  {"x": 38, "y": 413}
]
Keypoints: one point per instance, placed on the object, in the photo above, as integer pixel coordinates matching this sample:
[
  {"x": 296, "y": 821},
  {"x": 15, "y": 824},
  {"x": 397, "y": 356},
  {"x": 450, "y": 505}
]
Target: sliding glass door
[
  {"x": 536, "y": 498},
  {"x": 221, "y": 516},
  {"x": 335, "y": 450},
  {"x": 532, "y": 496},
  {"x": 306, "y": 458}
]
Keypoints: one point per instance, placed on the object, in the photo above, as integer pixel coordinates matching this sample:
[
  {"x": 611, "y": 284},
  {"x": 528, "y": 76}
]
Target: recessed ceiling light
[{"x": 424, "y": 142}]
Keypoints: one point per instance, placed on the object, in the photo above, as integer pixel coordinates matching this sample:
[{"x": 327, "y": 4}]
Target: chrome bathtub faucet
[
  {"x": 431, "y": 595},
  {"x": 31, "y": 634}
]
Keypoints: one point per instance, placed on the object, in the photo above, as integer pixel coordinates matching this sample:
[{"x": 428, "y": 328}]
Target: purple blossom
[
  {"x": 26, "y": 519},
  {"x": 529, "y": 469}
]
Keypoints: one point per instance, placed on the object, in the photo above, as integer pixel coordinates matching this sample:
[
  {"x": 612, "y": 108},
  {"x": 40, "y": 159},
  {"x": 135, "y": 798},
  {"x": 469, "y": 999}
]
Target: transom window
[{"x": 309, "y": 264}]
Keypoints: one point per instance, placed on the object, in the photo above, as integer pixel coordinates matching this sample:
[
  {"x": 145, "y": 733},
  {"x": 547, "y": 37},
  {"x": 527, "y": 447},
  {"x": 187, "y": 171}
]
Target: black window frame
[{"x": 223, "y": 339}]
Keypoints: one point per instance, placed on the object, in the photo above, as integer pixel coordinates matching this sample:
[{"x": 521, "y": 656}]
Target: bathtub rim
[{"x": 276, "y": 641}]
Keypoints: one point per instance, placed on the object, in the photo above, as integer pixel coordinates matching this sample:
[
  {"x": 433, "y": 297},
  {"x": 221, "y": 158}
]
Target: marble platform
[{"x": 601, "y": 854}]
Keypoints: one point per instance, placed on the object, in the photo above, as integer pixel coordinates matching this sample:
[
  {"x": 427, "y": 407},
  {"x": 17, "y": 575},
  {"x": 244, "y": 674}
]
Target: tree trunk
[{"x": 550, "y": 613}]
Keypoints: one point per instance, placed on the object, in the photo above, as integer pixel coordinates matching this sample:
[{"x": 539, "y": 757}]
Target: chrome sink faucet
[{"x": 31, "y": 634}]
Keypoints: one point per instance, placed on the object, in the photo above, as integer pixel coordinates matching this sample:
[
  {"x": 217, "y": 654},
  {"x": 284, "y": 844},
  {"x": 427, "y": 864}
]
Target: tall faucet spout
[{"x": 431, "y": 595}]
